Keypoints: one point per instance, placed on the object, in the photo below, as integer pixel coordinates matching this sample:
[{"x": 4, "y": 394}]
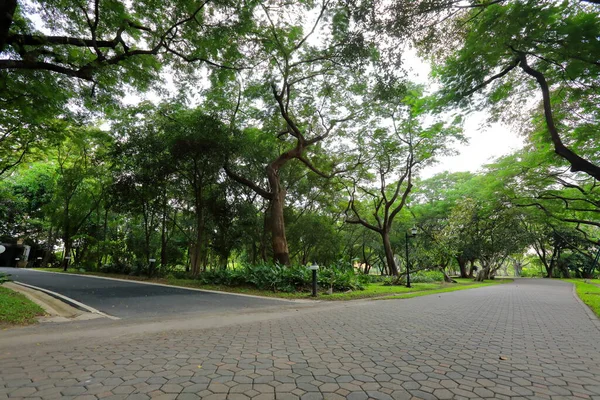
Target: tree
[
  {"x": 95, "y": 52},
  {"x": 143, "y": 176},
  {"x": 394, "y": 156},
  {"x": 543, "y": 43},
  {"x": 199, "y": 146},
  {"x": 307, "y": 88}
]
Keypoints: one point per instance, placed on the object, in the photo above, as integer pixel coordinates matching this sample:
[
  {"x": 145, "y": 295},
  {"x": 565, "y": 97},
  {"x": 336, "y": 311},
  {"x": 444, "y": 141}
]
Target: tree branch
[
  {"x": 577, "y": 163},
  {"x": 248, "y": 183},
  {"x": 499, "y": 75}
]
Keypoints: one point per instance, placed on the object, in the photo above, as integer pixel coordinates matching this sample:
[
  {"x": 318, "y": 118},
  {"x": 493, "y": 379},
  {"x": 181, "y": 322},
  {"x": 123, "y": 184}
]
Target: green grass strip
[
  {"x": 16, "y": 309},
  {"x": 588, "y": 293}
]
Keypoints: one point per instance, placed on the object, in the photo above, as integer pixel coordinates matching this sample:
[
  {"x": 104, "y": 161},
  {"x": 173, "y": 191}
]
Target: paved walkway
[{"x": 529, "y": 339}]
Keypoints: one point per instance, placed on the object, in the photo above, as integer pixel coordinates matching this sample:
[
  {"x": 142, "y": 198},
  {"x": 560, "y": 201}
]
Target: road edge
[
  {"x": 591, "y": 315},
  {"x": 68, "y": 300},
  {"x": 295, "y": 301}
]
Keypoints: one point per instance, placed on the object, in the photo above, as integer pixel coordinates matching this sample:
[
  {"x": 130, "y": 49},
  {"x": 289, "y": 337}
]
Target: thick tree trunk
[
  {"x": 565, "y": 271},
  {"x": 471, "y": 269},
  {"x": 550, "y": 266},
  {"x": 483, "y": 274},
  {"x": 447, "y": 279},
  {"x": 281, "y": 253},
  {"x": 196, "y": 253},
  {"x": 389, "y": 254},
  {"x": 462, "y": 265}
]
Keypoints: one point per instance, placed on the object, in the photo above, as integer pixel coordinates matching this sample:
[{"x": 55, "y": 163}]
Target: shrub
[
  {"x": 116, "y": 268},
  {"x": 531, "y": 273},
  {"x": 375, "y": 278},
  {"x": 427, "y": 277},
  {"x": 285, "y": 279},
  {"x": 341, "y": 280}
]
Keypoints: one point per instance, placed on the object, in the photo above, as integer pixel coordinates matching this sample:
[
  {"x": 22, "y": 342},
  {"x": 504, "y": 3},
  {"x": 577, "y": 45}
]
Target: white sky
[{"x": 485, "y": 141}]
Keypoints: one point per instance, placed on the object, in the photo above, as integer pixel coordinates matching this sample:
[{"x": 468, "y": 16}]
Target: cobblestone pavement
[{"x": 529, "y": 339}]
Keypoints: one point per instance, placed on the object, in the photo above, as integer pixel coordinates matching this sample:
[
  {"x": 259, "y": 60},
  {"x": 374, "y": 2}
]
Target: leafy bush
[
  {"x": 427, "y": 277},
  {"x": 116, "y": 268},
  {"x": 394, "y": 280},
  {"x": 375, "y": 278},
  {"x": 341, "y": 280},
  {"x": 285, "y": 279},
  {"x": 531, "y": 273}
]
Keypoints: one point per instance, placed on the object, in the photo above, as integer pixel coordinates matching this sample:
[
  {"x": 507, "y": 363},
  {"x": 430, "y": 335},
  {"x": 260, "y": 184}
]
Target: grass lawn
[
  {"x": 16, "y": 309},
  {"x": 588, "y": 293},
  {"x": 371, "y": 290}
]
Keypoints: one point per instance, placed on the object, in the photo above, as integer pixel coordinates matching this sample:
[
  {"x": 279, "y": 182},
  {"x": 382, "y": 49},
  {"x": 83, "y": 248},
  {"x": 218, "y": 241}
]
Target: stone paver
[{"x": 529, "y": 339}]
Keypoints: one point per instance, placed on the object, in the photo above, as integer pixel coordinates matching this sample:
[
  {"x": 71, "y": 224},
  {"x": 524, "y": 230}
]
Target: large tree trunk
[
  {"x": 196, "y": 254},
  {"x": 462, "y": 265},
  {"x": 281, "y": 253},
  {"x": 550, "y": 266},
  {"x": 389, "y": 254},
  {"x": 565, "y": 271},
  {"x": 471, "y": 269},
  {"x": 483, "y": 274},
  {"x": 447, "y": 279}
]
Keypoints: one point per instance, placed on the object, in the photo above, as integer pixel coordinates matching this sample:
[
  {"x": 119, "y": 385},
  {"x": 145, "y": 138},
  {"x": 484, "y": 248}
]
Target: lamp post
[
  {"x": 151, "y": 266},
  {"x": 314, "y": 268},
  {"x": 413, "y": 233}
]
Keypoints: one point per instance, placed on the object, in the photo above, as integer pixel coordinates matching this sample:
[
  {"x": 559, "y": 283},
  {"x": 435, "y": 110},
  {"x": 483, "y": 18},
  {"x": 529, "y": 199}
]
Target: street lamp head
[{"x": 413, "y": 231}]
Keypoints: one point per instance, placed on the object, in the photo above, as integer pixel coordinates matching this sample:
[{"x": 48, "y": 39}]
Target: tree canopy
[{"x": 214, "y": 134}]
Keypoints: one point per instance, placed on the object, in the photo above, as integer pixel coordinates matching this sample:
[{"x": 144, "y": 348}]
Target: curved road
[
  {"x": 132, "y": 299},
  {"x": 530, "y": 339}
]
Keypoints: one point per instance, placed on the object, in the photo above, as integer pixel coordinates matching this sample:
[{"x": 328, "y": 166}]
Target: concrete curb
[
  {"x": 187, "y": 288},
  {"x": 68, "y": 300},
  {"x": 591, "y": 315}
]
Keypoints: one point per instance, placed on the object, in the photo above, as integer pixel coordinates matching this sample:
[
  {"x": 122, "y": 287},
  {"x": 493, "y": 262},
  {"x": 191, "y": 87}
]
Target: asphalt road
[{"x": 132, "y": 299}]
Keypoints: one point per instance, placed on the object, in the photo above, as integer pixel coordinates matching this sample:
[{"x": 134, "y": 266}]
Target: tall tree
[
  {"x": 306, "y": 85},
  {"x": 394, "y": 156}
]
